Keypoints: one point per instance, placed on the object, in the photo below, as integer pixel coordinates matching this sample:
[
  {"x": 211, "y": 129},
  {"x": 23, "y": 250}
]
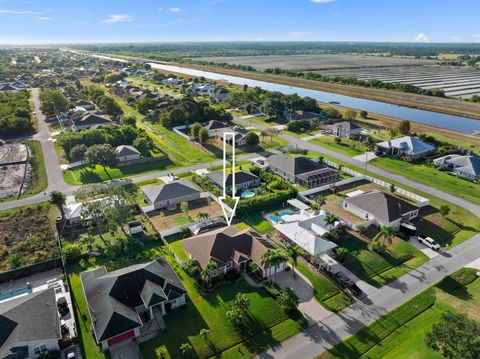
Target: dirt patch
[{"x": 13, "y": 153}]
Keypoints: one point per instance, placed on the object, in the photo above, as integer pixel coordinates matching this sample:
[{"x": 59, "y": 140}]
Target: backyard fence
[{"x": 31, "y": 269}]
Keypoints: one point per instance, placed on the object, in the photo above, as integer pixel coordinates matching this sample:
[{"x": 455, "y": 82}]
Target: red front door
[{"x": 120, "y": 338}]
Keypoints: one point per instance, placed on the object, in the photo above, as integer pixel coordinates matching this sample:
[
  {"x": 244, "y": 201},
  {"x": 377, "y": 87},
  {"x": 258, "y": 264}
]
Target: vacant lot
[
  {"x": 315, "y": 62},
  {"x": 26, "y": 236}
]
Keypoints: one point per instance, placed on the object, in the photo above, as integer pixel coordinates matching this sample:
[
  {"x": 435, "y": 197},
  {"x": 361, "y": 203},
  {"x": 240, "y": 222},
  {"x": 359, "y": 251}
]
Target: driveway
[
  {"x": 311, "y": 309},
  {"x": 430, "y": 253},
  {"x": 127, "y": 350}
]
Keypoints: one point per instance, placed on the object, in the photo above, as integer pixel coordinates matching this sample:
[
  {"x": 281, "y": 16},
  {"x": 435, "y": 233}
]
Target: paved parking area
[{"x": 430, "y": 253}]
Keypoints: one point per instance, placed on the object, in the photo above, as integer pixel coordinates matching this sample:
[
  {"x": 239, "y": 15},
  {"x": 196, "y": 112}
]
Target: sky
[{"x": 68, "y": 21}]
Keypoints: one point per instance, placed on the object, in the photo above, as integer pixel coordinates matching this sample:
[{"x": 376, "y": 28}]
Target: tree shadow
[{"x": 89, "y": 176}]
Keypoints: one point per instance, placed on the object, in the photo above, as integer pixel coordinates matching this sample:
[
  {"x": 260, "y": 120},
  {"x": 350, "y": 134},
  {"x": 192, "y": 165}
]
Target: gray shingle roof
[
  {"x": 382, "y": 205},
  {"x": 126, "y": 150},
  {"x": 293, "y": 165},
  {"x": 409, "y": 145},
  {"x": 168, "y": 191},
  {"x": 91, "y": 119},
  {"x": 30, "y": 317},
  {"x": 240, "y": 177},
  {"x": 467, "y": 164},
  {"x": 112, "y": 297}
]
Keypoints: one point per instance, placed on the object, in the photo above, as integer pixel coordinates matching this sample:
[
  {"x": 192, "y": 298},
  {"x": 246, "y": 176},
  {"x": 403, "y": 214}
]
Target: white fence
[
  {"x": 177, "y": 129},
  {"x": 357, "y": 176}
]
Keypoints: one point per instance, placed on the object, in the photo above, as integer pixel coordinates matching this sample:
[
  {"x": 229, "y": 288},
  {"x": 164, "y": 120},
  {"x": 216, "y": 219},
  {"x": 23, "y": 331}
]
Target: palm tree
[
  {"x": 330, "y": 219},
  {"x": 273, "y": 258},
  {"x": 386, "y": 234},
  {"x": 318, "y": 203},
  {"x": 207, "y": 272},
  {"x": 293, "y": 252},
  {"x": 58, "y": 199},
  {"x": 276, "y": 214},
  {"x": 287, "y": 299}
]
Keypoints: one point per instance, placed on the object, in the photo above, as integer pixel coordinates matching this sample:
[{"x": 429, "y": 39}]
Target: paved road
[
  {"x": 331, "y": 330},
  {"x": 301, "y": 143}
]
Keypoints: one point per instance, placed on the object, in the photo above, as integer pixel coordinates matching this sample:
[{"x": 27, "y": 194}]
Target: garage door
[{"x": 120, "y": 338}]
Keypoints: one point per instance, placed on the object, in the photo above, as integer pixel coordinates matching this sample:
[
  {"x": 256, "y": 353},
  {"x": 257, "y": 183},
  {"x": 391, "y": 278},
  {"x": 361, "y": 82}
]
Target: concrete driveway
[
  {"x": 126, "y": 350},
  {"x": 311, "y": 309},
  {"x": 430, "y": 253}
]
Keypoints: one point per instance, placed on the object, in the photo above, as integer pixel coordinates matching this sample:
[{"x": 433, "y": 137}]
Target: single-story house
[
  {"x": 409, "y": 146},
  {"x": 8, "y": 89},
  {"x": 127, "y": 153},
  {"x": 217, "y": 128},
  {"x": 169, "y": 195},
  {"x": 380, "y": 208},
  {"x": 231, "y": 250},
  {"x": 239, "y": 135},
  {"x": 29, "y": 325},
  {"x": 308, "y": 232},
  {"x": 302, "y": 171},
  {"x": 121, "y": 302},
  {"x": 345, "y": 129},
  {"x": 243, "y": 180},
  {"x": 87, "y": 105},
  {"x": 467, "y": 167},
  {"x": 91, "y": 120},
  {"x": 75, "y": 213},
  {"x": 303, "y": 115}
]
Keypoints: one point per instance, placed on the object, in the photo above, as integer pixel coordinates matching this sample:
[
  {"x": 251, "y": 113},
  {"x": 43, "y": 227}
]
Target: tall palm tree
[
  {"x": 273, "y": 258},
  {"x": 207, "y": 272},
  {"x": 293, "y": 252},
  {"x": 386, "y": 233},
  {"x": 58, "y": 199},
  {"x": 330, "y": 219},
  {"x": 318, "y": 203}
]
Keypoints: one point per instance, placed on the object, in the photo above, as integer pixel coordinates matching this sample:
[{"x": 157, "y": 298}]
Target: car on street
[{"x": 429, "y": 242}]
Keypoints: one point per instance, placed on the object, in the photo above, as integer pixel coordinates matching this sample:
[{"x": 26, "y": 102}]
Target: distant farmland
[{"x": 454, "y": 81}]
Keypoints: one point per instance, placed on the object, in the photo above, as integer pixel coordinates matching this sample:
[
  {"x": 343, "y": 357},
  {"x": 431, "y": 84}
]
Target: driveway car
[{"x": 429, "y": 242}]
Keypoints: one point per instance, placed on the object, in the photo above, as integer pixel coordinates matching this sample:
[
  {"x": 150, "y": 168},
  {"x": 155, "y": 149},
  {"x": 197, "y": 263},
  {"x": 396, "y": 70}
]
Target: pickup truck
[{"x": 429, "y": 242}]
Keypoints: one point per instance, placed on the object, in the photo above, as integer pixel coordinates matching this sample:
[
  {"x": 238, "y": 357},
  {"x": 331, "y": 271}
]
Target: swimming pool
[
  {"x": 14, "y": 293},
  {"x": 247, "y": 194},
  {"x": 273, "y": 218}
]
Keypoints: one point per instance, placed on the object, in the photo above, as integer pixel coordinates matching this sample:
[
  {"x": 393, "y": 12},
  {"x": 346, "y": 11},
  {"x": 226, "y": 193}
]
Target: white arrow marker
[{"x": 228, "y": 212}]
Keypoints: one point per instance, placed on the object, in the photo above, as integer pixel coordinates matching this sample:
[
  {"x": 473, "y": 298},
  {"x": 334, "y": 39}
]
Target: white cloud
[
  {"x": 43, "y": 18},
  {"x": 421, "y": 37},
  {"x": 175, "y": 9},
  {"x": 112, "y": 19},
  {"x": 19, "y": 12},
  {"x": 321, "y": 1},
  {"x": 476, "y": 37}
]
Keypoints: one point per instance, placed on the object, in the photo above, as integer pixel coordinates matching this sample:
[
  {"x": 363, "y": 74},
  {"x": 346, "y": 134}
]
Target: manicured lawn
[
  {"x": 346, "y": 146},
  {"x": 84, "y": 175},
  {"x": 265, "y": 323},
  {"x": 326, "y": 292},
  {"x": 377, "y": 269},
  {"x": 401, "y": 333},
  {"x": 431, "y": 176},
  {"x": 175, "y": 242},
  {"x": 257, "y": 222}
]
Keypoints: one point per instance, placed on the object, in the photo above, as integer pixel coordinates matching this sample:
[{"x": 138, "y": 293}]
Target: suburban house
[
  {"x": 380, "y": 208},
  {"x": 231, "y": 250},
  {"x": 75, "y": 213},
  {"x": 127, "y": 153},
  {"x": 308, "y": 232},
  {"x": 239, "y": 135},
  {"x": 7, "y": 88},
  {"x": 120, "y": 303},
  {"x": 91, "y": 120},
  {"x": 217, "y": 128},
  {"x": 302, "y": 171},
  {"x": 409, "y": 146},
  {"x": 169, "y": 195},
  {"x": 29, "y": 325},
  {"x": 303, "y": 115},
  {"x": 345, "y": 129},
  {"x": 467, "y": 167},
  {"x": 243, "y": 180},
  {"x": 87, "y": 105}
]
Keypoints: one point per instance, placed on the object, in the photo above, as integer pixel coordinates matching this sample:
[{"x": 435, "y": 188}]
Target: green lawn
[
  {"x": 400, "y": 334},
  {"x": 376, "y": 269},
  {"x": 325, "y": 290},
  {"x": 346, "y": 146},
  {"x": 175, "y": 242},
  {"x": 431, "y": 176},
  {"x": 265, "y": 323}
]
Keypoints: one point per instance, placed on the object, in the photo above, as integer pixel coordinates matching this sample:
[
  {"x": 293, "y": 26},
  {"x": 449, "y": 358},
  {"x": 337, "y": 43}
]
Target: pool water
[
  {"x": 14, "y": 293},
  {"x": 278, "y": 218},
  {"x": 247, "y": 194}
]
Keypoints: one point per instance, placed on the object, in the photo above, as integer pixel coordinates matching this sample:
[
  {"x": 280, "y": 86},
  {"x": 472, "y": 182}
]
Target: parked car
[
  {"x": 71, "y": 355},
  {"x": 429, "y": 242}
]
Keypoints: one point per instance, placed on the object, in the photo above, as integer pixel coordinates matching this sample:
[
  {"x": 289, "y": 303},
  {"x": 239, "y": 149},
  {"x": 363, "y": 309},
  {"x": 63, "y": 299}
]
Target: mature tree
[
  {"x": 330, "y": 112},
  {"x": 360, "y": 228},
  {"x": 113, "y": 77},
  {"x": 349, "y": 115},
  {"x": 128, "y": 120},
  {"x": 363, "y": 114},
  {"x": 273, "y": 258},
  {"x": 77, "y": 153},
  {"x": 142, "y": 145},
  {"x": 58, "y": 199},
  {"x": 444, "y": 210},
  {"x": 207, "y": 273},
  {"x": 341, "y": 253},
  {"x": 272, "y": 132},
  {"x": 404, "y": 127},
  {"x": 455, "y": 336},
  {"x": 203, "y": 135},
  {"x": 287, "y": 299},
  {"x": 53, "y": 102},
  {"x": 195, "y": 130},
  {"x": 242, "y": 302},
  {"x": 273, "y": 107},
  {"x": 184, "y": 208},
  {"x": 385, "y": 235},
  {"x": 110, "y": 106},
  {"x": 330, "y": 219},
  {"x": 103, "y": 155},
  {"x": 251, "y": 139},
  {"x": 235, "y": 316},
  {"x": 293, "y": 252}
]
